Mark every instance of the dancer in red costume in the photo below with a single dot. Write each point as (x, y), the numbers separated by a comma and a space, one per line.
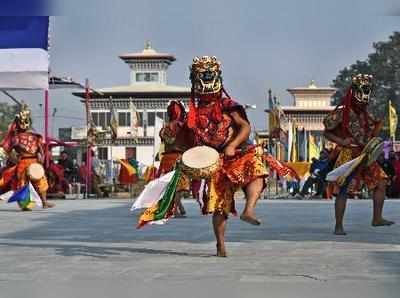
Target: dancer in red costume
(220, 122)
(28, 149)
(217, 121)
(351, 127)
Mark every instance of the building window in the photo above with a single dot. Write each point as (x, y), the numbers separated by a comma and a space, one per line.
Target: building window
(101, 119)
(108, 118)
(124, 119)
(130, 152)
(95, 117)
(147, 77)
(140, 119)
(151, 118)
(102, 153)
(160, 115)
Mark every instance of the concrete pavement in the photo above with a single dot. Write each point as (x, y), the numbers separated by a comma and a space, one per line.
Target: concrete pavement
(90, 248)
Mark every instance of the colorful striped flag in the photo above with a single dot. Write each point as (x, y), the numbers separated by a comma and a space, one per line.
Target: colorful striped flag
(27, 197)
(130, 169)
(113, 121)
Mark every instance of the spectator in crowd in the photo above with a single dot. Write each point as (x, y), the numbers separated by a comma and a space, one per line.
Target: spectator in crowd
(82, 172)
(58, 185)
(318, 171)
(67, 165)
(97, 178)
(75, 172)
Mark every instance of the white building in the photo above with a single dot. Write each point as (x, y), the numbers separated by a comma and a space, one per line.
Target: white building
(149, 92)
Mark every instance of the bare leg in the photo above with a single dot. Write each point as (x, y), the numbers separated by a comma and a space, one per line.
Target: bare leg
(378, 202)
(219, 223)
(340, 208)
(253, 192)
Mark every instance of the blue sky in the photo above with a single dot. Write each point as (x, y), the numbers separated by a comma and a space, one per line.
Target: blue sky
(261, 44)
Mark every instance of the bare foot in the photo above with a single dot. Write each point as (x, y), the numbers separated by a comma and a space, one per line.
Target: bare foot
(250, 219)
(48, 205)
(339, 230)
(221, 252)
(382, 222)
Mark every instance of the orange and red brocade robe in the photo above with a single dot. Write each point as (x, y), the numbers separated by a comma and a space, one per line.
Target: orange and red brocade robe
(28, 146)
(370, 176)
(236, 172)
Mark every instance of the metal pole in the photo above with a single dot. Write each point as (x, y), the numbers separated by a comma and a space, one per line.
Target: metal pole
(89, 146)
(154, 137)
(46, 127)
(112, 143)
(13, 98)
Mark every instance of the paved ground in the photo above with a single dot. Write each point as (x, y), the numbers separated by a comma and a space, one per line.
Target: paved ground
(90, 248)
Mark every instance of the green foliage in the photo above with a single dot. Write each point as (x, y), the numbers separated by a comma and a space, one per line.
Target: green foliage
(384, 65)
(7, 115)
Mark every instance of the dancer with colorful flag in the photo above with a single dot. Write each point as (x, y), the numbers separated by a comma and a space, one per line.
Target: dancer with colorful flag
(354, 129)
(220, 126)
(27, 146)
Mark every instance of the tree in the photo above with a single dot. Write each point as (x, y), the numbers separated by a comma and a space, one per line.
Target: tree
(384, 65)
(7, 115)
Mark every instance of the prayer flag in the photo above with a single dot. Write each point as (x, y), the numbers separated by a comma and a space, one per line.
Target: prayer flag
(113, 122)
(392, 120)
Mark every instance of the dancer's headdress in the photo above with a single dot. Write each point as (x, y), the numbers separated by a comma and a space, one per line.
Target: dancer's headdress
(362, 88)
(205, 75)
(206, 78)
(23, 118)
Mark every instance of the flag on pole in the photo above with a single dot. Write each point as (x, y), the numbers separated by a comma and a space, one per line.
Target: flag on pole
(134, 120)
(113, 122)
(129, 168)
(293, 156)
(290, 139)
(27, 197)
(24, 58)
(392, 120)
(312, 148)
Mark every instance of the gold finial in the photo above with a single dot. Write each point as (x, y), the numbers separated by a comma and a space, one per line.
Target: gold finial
(312, 85)
(147, 45)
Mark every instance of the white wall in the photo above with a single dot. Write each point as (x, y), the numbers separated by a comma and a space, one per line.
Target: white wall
(118, 152)
(144, 154)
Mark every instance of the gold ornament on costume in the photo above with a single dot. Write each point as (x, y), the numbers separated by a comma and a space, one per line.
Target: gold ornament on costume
(23, 118)
(362, 87)
(205, 75)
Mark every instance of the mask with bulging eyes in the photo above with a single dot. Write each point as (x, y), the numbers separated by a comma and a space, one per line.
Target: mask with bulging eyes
(205, 75)
(362, 88)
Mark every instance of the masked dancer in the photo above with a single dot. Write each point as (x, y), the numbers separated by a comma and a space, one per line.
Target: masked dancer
(351, 127)
(27, 148)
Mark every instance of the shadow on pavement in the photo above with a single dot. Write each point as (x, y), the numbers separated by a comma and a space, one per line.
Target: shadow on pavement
(285, 222)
